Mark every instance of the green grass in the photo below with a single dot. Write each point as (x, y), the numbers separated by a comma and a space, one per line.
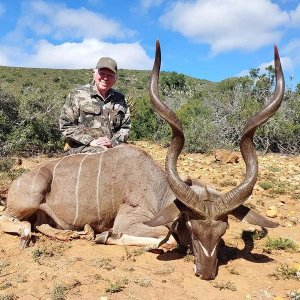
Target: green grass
(281, 244)
(284, 271)
(266, 185)
(275, 187)
(143, 282)
(103, 263)
(39, 253)
(117, 286)
(59, 292)
(225, 286)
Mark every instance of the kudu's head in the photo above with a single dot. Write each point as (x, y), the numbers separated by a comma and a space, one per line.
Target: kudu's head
(199, 215)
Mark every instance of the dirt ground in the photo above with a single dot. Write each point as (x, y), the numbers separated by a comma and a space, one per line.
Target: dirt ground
(80, 269)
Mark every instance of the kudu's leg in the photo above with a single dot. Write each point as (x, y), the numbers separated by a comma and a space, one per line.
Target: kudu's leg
(129, 230)
(123, 239)
(12, 225)
(66, 234)
(23, 200)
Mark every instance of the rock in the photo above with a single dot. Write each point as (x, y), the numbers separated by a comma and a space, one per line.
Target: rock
(271, 212)
(225, 156)
(296, 266)
(293, 220)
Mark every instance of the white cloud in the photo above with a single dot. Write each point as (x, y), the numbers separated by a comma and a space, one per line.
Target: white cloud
(286, 64)
(84, 55)
(146, 4)
(227, 24)
(68, 38)
(292, 49)
(61, 22)
(3, 60)
(295, 17)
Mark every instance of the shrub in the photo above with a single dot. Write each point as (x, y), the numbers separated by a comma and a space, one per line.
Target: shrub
(281, 244)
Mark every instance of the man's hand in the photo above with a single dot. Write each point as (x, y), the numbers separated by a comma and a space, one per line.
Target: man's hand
(103, 141)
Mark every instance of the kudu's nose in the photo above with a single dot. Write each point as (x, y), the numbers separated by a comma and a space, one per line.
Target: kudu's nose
(206, 274)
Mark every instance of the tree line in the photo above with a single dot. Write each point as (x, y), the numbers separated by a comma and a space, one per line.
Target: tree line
(212, 113)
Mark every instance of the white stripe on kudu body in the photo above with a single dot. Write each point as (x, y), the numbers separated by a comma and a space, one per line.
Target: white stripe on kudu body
(77, 189)
(55, 167)
(33, 183)
(18, 183)
(98, 182)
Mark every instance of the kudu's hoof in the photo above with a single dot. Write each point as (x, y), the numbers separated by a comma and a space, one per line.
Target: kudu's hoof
(101, 238)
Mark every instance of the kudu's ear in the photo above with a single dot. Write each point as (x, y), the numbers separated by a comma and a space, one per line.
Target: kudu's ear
(248, 215)
(168, 215)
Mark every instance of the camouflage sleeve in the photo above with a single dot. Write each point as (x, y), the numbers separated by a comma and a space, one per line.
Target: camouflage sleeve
(121, 135)
(68, 122)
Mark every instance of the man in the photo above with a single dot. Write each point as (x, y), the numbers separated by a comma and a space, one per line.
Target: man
(96, 116)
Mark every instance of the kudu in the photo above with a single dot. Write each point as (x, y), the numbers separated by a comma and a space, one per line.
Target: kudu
(200, 209)
(125, 196)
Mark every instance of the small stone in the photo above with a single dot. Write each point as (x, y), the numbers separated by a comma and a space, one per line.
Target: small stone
(293, 220)
(271, 213)
(296, 266)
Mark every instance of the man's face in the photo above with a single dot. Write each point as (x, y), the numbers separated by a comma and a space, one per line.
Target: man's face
(104, 79)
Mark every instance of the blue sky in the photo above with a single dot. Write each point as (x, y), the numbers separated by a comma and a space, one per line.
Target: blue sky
(207, 39)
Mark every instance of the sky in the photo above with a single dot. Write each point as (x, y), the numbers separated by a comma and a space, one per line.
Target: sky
(205, 39)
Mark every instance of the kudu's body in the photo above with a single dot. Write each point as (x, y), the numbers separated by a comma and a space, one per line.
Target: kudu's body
(124, 192)
(113, 191)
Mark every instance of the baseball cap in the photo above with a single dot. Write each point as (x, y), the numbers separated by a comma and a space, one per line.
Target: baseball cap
(107, 62)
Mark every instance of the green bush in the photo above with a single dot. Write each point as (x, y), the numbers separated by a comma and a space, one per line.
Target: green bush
(145, 123)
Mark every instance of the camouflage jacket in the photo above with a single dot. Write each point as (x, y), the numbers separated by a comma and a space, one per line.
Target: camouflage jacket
(86, 116)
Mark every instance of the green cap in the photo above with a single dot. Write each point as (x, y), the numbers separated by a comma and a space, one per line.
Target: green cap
(107, 62)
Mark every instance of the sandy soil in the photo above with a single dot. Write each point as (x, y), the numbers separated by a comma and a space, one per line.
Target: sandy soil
(79, 269)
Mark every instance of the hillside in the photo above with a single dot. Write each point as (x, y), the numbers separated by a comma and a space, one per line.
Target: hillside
(19, 82)
(212, 114)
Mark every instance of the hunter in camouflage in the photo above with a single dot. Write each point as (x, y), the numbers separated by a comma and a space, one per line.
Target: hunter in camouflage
(96, 116)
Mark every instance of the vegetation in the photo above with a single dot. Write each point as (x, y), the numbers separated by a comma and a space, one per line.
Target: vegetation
(281, 244)
(59, 292)
(117, 286)
(286, 272)
(212, 114)
(8, 297)
(225, 286)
